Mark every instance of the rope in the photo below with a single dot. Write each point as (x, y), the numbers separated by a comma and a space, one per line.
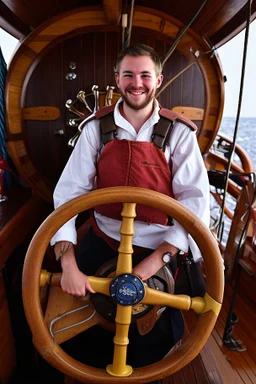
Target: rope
(182, 71)
(182, 33)
(128, 35)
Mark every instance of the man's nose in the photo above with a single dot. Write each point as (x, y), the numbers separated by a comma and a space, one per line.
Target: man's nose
(137, 81)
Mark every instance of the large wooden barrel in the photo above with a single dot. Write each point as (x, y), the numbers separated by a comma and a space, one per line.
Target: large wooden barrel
(73, 52)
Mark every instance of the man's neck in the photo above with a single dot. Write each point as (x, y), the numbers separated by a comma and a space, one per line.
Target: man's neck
(136, 117)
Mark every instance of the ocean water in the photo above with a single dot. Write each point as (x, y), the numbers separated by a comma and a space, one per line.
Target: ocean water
(245, 138)
(246, 134)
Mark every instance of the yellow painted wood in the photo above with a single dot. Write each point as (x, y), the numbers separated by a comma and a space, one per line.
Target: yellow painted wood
(123, 319)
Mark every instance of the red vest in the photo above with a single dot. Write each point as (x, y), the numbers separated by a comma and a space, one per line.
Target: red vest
(135, 163)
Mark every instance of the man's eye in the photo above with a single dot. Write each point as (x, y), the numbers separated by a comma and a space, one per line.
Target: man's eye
(146, 76)
(127, 76)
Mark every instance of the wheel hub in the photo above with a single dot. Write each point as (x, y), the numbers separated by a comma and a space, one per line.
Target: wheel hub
(127, 289)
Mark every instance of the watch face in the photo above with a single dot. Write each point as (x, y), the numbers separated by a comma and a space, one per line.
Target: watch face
(167, 257)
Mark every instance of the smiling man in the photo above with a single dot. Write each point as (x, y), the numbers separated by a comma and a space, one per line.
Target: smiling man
(137, 86)
(136, 143)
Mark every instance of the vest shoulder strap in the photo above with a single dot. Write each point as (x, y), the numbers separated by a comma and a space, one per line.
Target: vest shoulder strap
(168, 114)
(161, 130)
(107, 124)
(103, 111)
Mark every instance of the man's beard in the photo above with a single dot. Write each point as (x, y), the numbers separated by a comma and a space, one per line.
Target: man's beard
(149, 98)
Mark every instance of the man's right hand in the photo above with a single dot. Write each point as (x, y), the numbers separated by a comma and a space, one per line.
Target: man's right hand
(73, 281)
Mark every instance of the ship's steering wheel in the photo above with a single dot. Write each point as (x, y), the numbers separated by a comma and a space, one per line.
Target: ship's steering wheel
(118, 372)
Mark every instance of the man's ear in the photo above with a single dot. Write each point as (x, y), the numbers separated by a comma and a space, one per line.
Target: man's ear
(117, 79)
(159, 81)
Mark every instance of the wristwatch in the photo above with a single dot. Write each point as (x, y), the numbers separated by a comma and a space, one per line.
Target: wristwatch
(167, 257)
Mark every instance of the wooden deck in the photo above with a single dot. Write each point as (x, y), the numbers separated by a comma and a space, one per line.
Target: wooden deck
(244, 363)
(216, 363)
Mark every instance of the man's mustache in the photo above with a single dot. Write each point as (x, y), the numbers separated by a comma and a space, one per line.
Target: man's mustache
(136, 89)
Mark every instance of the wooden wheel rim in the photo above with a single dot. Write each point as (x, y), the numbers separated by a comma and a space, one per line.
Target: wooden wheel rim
(52, 352)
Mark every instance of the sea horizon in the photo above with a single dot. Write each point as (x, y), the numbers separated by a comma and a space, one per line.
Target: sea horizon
(245, 133)
(245, 139)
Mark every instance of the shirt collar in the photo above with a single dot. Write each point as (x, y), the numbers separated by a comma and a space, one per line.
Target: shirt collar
(153, 119)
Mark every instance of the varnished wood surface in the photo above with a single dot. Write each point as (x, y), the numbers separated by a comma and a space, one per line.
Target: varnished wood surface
(216, 21)
(20, 215)
(243, 363)
(16, 197)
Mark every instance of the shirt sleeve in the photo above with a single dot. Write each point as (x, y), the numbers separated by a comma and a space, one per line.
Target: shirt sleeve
(78, 177)
(190, 182)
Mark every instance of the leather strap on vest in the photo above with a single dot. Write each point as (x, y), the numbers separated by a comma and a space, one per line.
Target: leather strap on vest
(161, 132)
(108, 128)
(159, 137)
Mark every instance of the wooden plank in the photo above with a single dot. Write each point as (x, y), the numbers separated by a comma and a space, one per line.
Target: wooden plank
(201, 374)
(191, 113)
(112, 9)
(46, 113)
(247, 285)
(244, 363)
(20, 223)
(236, 359)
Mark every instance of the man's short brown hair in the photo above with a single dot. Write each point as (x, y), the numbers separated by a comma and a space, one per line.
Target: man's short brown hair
(139, 50)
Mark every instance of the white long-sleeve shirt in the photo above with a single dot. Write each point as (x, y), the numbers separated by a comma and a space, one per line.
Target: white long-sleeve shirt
(190, 181)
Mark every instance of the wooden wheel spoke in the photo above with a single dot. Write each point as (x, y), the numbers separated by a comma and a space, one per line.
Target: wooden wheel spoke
(121, 341)
(155, 297)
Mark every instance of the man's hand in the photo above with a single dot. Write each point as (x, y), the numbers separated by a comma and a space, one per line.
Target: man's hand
(73, 281)
(151, 264)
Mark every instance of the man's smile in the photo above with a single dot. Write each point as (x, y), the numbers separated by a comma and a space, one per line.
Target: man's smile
(136, 92)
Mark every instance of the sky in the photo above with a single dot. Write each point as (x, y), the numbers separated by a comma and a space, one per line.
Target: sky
(231, 55)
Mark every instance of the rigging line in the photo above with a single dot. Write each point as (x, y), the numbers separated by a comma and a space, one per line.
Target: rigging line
(128, 35)
(182, 33)
(182, 71)
(124, 22)
(231, 154)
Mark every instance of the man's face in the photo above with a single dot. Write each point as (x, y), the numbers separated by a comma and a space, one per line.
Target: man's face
(137, 81)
